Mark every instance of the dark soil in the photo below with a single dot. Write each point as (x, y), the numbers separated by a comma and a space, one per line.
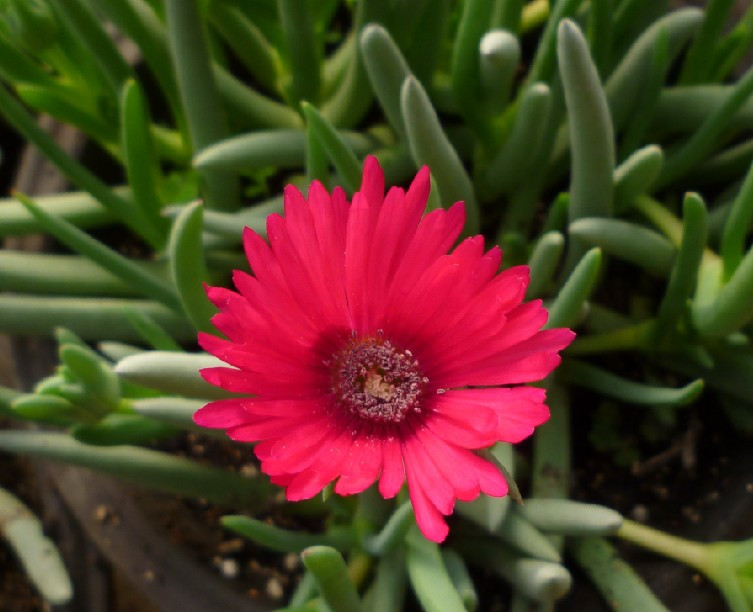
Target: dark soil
(698, 484)
(194, 525)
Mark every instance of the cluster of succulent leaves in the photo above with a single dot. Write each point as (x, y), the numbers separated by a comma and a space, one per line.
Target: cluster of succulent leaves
(605, 143)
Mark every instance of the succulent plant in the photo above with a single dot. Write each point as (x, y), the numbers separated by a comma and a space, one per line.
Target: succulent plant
(605, 145)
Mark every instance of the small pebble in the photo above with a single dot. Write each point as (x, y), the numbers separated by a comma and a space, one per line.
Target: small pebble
(640, 513)
(274, 589)
(291, 561)
(249, 470)
(105, 515)
(229, 568)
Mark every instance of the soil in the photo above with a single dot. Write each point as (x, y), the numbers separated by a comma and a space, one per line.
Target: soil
(194, 525)
(698, 484)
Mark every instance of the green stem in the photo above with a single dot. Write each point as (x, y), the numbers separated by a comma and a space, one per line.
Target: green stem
(630, 338)
(303, 51)
(661, 218)
(206, 119)
(679, 549)
(247, 41)
(77, 208)
(90, 318)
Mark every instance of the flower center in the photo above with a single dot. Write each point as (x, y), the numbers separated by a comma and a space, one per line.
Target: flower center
(374, 380)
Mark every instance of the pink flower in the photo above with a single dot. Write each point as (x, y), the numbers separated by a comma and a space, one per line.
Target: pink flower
(368, 352)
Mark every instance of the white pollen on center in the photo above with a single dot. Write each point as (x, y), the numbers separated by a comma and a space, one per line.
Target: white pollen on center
(377, 387)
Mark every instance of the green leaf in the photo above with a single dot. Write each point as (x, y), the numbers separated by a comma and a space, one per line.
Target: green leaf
(614, 578)
(175, 411)
(551, 447)
(140, 466)
(684, 276)
(138, 20)
(509, 167)
(591, 132)
(337, 148)
(736, 226)
(249, 108)
(40, 558)
(387, 591)
(393, 532)
(542, 68)
(47, 273)
(92, 372)
(141, 163)
(47, 408)
(732, 49)
(90, 318)
(77, 208)
(566, 307)
(636, 175)
(352, 97)
(247, 41)
(544, 261)
(188, 268)
(542, 581)
(116, 429)
(171, 372)
(150, 330)
(628, 241)
(303, 53)
(226, 224)
(100, 46)
(68, 107)
(566, 517)
(317, 161)
(429, 577)
(284, 540)
(109, 259)
(600, 18)
(499, 57)
(465, 76)
(656, 75)
(595, 378)
(698, 63)
(422, 53)
(429, 145)
(198, 94)
(731, 308)
(518, 532)
(73, 170)
(460, 578)
(17, 67)
(708, 134)
(508, 14)
(265, 148)
(387, 70)
(331, 574)
(635, 66)
(115, 351)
